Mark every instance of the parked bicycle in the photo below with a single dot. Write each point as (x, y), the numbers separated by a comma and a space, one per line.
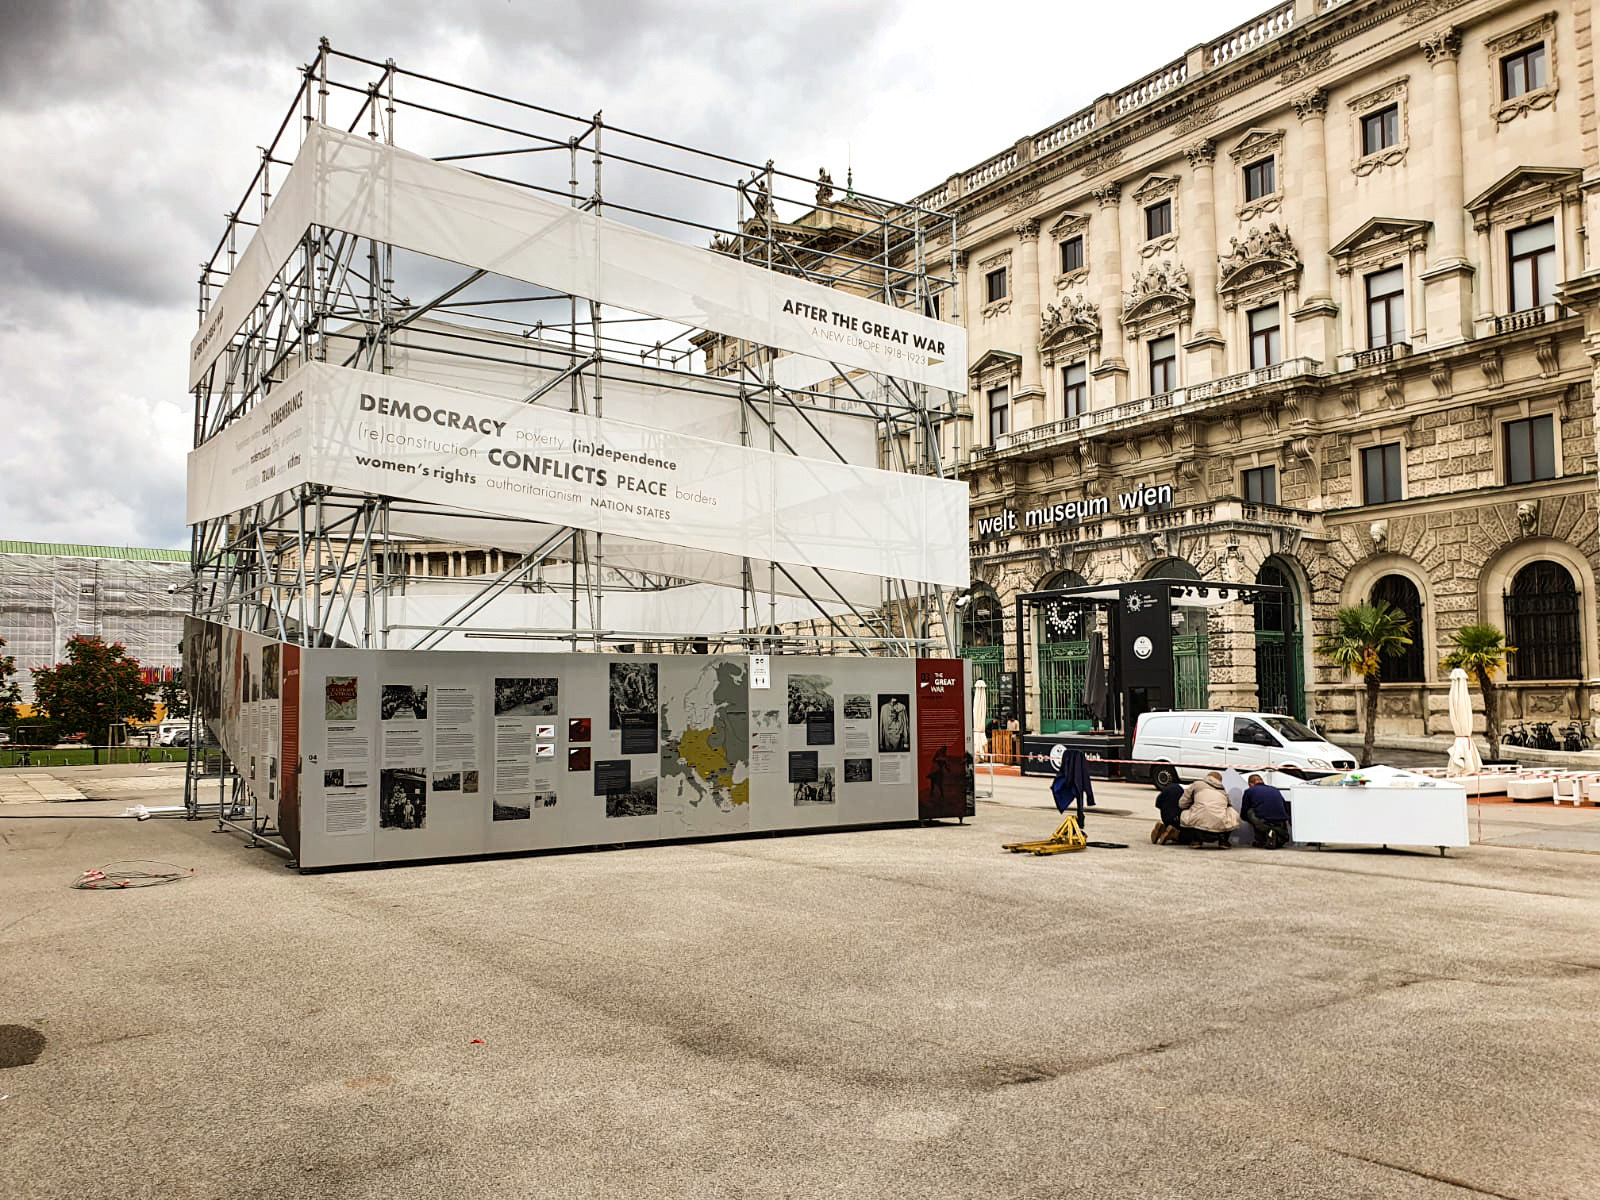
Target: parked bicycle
(1544, 737)
(1575, 737)
(1515, 735)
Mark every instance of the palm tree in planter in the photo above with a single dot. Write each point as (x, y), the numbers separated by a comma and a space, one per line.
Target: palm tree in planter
(1480, 650)
(1363, 635)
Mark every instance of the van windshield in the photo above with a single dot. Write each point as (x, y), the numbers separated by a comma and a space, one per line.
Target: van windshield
(1290, 730)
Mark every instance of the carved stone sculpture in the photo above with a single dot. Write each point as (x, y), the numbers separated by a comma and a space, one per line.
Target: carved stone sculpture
(1379, 533)
(1528, 517)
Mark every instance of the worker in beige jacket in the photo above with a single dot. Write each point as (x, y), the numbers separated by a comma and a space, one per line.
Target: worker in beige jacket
(1204, 806)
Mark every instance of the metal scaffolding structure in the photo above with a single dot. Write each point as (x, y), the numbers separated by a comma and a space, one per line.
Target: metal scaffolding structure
(317, 565)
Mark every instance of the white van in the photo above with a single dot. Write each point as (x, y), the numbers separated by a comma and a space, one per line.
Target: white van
(1185, 745)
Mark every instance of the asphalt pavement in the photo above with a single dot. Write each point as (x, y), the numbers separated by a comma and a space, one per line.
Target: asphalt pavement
(891, 1012)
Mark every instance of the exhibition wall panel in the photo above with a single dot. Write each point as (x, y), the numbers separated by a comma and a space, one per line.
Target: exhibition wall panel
(406, 755)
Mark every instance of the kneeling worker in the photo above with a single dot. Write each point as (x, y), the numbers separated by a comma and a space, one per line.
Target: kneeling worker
(1267, 812)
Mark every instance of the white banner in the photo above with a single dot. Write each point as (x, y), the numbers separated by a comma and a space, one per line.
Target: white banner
(349, 182)
(390, 436)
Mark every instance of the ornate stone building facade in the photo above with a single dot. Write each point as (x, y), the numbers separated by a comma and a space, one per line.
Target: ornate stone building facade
(1305, 307)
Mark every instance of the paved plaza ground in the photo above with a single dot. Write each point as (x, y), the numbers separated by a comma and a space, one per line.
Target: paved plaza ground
(884, 1013)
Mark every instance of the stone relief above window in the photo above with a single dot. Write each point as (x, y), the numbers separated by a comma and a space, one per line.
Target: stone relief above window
(1262, 266)
(1258, 158)
(1071, 236)
(1161, 299)
(1157, 198)
(1523, 66)
(1379, 127)
(1069, 329)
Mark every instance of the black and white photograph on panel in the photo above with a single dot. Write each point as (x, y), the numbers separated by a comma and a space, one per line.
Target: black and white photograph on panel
(402, 798)
(894, 723)
(638, 801)
(404, 702)
(818, 791)
(544, 799)
(858, 770)
(810, 698)
(633, 697)
(446, 781)
(333, 777)
(534, 697)
(469, 782)
(857, 707)
(207, 656)
(512, 808)
(271, 657)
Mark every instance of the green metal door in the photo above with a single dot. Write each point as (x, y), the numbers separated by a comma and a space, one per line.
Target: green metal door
(987, 663)
(1191, 671)
(1063, 669)
(1280, 686)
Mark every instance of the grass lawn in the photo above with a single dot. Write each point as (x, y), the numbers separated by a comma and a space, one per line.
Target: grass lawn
(87, 756)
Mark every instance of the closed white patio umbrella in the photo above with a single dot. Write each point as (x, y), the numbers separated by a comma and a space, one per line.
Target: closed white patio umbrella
(1464, 757)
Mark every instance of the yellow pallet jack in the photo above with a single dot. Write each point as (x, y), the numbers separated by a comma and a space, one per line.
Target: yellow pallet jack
(1066, 837)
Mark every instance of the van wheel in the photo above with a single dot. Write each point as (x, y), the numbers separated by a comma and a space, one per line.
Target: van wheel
(1163, 776)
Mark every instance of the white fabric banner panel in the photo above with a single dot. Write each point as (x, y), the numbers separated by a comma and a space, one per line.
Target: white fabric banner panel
(263, 453)
(389, 436)
(694, 610)
(631, 554)
(701, 405)
(373, 190)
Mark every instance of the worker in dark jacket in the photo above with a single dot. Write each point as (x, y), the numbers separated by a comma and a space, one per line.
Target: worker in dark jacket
(1167, 829)
(1268, 813)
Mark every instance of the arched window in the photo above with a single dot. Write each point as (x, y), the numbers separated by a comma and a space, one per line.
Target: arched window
(1542, 622)
(1172, 568)
(983, 623)
(1401, 593)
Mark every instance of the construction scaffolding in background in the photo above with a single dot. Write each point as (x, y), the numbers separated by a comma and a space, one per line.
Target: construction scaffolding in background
(49, 593)
(318, 564)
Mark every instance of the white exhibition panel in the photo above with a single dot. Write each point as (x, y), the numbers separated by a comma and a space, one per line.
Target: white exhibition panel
(351, 183)
(538, 769)
(386, 435)
(1379, 816)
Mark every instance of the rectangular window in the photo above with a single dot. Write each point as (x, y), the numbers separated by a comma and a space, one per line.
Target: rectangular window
(1522, 72)
(1532, 253)
(1072, 255)
(1075, 388)
(1380, 473)
(999, 413)
(1261, 486)
(1380, 130)
(1158, 220)
(995, 285)
(1163, 364)
(1386, 307)
(1260, 179)
(1531, 449)
(1266, 346)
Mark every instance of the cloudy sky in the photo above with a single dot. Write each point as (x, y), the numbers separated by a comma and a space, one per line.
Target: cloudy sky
(128, 127)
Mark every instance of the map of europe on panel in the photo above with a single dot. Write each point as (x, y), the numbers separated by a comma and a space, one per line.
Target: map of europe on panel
(705, 745)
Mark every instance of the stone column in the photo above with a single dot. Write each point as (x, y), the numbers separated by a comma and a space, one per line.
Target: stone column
(1448, 281)
(1111, 376)
(1027, 406)
(1204, 352)
(1316, 332)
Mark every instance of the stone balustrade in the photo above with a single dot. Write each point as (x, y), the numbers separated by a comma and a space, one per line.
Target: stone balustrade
(1063, 132)
(1253, 34)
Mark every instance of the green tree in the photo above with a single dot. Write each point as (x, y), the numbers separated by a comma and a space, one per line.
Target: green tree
(97, 686)
(175, 698)
(1363, 635)
(10, 690)
(1480, 651)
